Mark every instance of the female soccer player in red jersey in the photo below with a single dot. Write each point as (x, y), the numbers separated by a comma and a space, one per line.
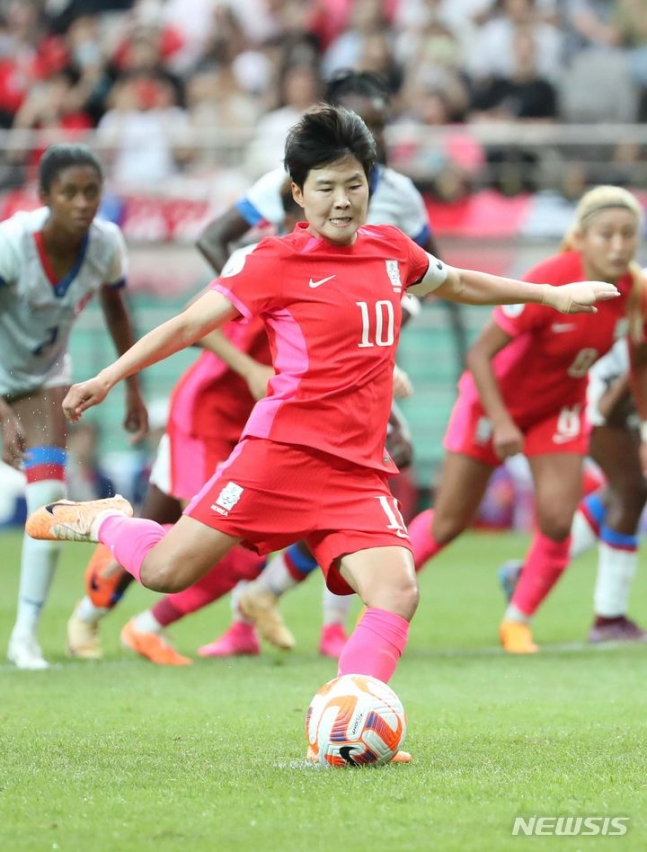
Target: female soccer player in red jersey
(311, 463)
(525, 391)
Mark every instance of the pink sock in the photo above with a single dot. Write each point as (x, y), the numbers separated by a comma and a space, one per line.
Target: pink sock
(129, 540)
(238, 564)
(544, 565)
(376, 645)
(424, 544)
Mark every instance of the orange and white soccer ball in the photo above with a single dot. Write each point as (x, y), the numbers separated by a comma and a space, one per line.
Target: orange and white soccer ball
(355, 720)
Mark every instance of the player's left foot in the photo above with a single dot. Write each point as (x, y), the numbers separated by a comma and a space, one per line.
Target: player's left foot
(151, 646)
(620, 629)
(238, 640)
(508, 575)
(83, 638)
(332, 640)
(66, 520)
(104, 578)
(516, 638)
(398, 757)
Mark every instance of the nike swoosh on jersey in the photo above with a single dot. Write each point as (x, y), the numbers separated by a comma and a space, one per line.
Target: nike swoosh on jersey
(559, 327)
(314, 284)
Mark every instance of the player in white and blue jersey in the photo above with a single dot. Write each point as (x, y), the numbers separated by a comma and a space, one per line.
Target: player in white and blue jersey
(52, 262)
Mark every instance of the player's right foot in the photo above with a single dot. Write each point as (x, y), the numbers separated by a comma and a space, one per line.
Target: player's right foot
(398, 757)
(508, 575)
(151, 646)
(620, 629)
(83, 638)
(261, 607)
(516, 638)
(104, 578)
(66, 520)
(25, 653)
(238, 640)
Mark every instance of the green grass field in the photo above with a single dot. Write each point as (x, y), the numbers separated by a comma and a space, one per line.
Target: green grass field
(121, 755)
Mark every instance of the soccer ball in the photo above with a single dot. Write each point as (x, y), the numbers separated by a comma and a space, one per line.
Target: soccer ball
(355, 720)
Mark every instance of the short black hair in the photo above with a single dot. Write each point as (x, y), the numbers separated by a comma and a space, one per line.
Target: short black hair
(324, 135)
(64, 156)
(363, 84)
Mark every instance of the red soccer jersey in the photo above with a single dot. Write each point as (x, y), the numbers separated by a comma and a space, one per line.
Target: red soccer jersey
(333, 316)
(544, 368)
(212, 401)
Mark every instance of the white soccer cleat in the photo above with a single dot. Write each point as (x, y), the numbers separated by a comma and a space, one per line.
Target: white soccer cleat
(26, 654)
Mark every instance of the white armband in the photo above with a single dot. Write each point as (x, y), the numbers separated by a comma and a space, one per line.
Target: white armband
(436, 274)
(643, 430)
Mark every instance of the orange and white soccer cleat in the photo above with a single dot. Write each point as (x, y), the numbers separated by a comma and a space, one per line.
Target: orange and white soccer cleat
(151, 646)
(103, 578)
(516, 638)
(261, 607)
(66, 520)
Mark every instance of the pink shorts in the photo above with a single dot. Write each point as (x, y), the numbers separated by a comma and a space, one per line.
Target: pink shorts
(469, 432)
(271, 495)
(184, 462)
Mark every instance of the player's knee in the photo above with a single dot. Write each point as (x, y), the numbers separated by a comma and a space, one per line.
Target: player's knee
(555, 524)
(405, 598)
(161, 576)
(445, 528)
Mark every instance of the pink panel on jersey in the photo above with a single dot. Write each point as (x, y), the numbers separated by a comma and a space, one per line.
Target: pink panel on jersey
(291, 360)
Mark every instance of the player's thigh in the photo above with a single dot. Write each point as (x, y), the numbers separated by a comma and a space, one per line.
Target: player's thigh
(41, 417)
(558, 489)
(462, 487)
(383, 577)
(184, 555)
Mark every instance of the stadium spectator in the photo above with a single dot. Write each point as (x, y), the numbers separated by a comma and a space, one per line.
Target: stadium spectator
(525, 391)
(52, 261)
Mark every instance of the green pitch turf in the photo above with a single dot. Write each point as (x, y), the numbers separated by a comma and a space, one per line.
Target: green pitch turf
(122, 755)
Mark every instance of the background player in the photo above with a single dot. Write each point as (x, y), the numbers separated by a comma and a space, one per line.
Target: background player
(526, 392)
(609, 516)
(52, 261)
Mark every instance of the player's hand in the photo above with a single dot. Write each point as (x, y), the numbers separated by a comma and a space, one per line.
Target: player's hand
(579, 298)
(136, 419)
(13, 440)
(82, 396)
(402, 386)
(399, 446)
(507, 440)
(257, 378)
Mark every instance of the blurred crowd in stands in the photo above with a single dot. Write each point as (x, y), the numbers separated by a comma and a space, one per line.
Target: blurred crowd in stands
(153, 76)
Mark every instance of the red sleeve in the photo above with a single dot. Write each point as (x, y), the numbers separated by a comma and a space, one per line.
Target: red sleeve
(253, 285)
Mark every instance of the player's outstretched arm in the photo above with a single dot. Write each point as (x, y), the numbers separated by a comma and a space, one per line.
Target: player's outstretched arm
(480, 288)
(207, 313)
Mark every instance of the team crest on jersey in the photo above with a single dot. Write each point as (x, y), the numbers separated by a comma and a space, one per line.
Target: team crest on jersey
(512, 310)
(393, 271)
(227, 499)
